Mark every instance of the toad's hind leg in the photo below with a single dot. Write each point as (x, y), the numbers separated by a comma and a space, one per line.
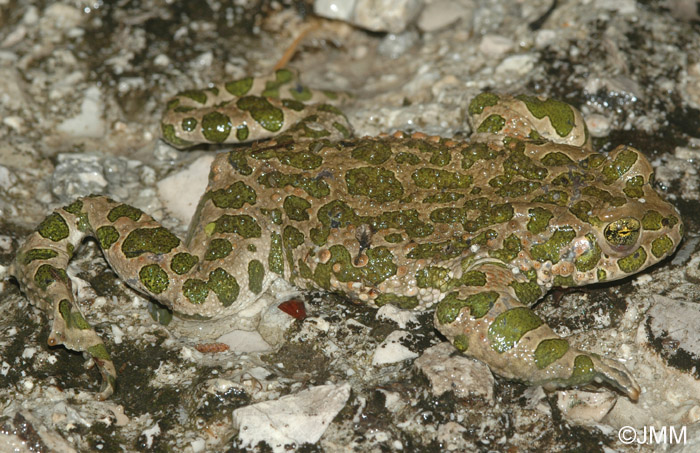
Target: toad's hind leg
(144, 254)
(492, 323)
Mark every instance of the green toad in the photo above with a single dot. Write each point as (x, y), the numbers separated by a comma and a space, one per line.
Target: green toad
(476, 231)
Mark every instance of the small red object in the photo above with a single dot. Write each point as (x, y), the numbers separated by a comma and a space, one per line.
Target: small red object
(294, 308)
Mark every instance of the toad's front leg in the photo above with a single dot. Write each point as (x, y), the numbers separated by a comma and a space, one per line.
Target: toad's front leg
(490, 322)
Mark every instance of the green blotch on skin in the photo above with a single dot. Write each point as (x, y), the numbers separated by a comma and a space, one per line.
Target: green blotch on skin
(72, 317)
(242, 225)
(256, 273)
(291, 239)
(407, 158)
(632, 263)
(564, 282)
(239, 162)
(183, 262)
(242, 132)
(268, 116)
(233, 196)
(282, 77)
(169, 134)
(275, 215)
(481, 101)
(293, 105)
(489, 214)
(603, 195)
(551, 250)
(433, 178)
(572, 178)
(433, 277)
(218, 248)
(252, 248)
(224, 285)
(195, 290)
(375, 183)
(443, 197)
(584, 370)
(476, 152)
(124, 210)
(196, 95)
(154, 278)
(379, 267)
(549, 351)
(508, 328)
(492, 124)
(451, 248)
(239, 87)
(47, 274)
(557, 197)
(539, 219)
(373, 152)
(189, 124)
(394, 238)
(296, 208)
(403, 302)
(303, 160)
(561, 114)
(276, 260)
(99, 351)
(527, 292)
(614, 170)
(301, 93)
(461, 343)
(315, 187)
(337, 214)
(661, 246)
(149, 240)
(582, 209)
(633, 187)
(652, 221)
(344, 131)
(37, 254)
(74, 208)
(601, 275)
(589, 260)
(481, 303)
(216, 127)
(53, 228)
(107, 235)
(510, 250)
(518, 189)
(556, 159)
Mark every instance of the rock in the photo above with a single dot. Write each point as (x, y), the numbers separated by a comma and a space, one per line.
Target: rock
(391, 16)
(182, 203)
(585, 408)
(458, 373)
(88, 122)
(391, 350)
(292, 419)
(443, 13)
(401, 317)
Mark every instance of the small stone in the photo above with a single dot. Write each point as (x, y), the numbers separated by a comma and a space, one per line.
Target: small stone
(458, 373)
(495, 45)
(391, 350)
(442, 14)
(598, 125)
(182, 203)
(585, 408)
(244, 341)
(290, 420)
(401, 317)
(391, 16)
(516, 65)
(88, 122)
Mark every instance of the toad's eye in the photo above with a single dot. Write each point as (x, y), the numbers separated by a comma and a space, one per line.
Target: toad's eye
(622, 233)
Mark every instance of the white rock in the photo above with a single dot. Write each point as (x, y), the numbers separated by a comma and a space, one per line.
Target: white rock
(441, 14)
(675, 321)
(516, 65)
(181, 191)
(335, 9)
(598, 125)
(399, 316)
(495, 45)
(292, 419)
(391, 350)
(585, 408)
(391, 16)
(458, 373)
(244, 341)
(88, 123)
